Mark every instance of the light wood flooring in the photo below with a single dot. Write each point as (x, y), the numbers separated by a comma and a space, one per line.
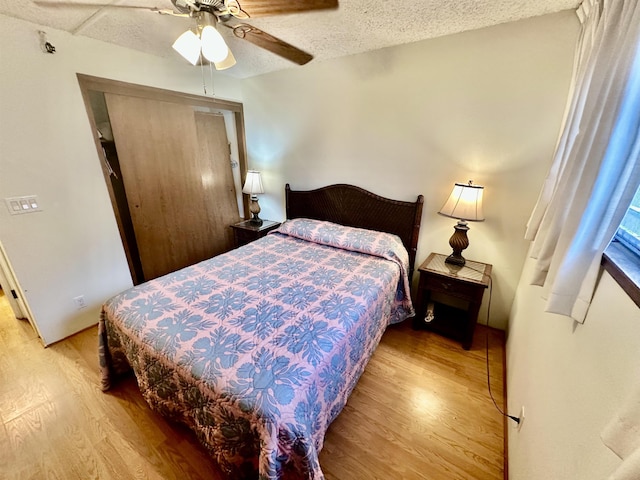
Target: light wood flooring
(420, 411)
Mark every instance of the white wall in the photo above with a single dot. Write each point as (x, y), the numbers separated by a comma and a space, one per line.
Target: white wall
(72, 247)
(483, 105)
(571, 378)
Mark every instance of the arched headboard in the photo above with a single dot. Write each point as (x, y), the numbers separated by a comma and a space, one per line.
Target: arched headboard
(356, 207)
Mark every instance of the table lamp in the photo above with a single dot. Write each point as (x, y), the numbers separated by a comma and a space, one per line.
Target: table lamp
(252, 186)
(464, 203)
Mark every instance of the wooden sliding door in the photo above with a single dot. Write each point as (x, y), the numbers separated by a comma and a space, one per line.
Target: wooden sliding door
(177, 175)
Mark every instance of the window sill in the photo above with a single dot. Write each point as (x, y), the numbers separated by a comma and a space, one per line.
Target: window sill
(623, 266)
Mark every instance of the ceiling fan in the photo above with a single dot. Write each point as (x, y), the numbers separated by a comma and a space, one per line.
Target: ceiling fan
(208, 14)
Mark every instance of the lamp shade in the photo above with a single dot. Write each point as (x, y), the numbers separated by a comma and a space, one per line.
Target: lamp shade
(464, 203)
(253, 183)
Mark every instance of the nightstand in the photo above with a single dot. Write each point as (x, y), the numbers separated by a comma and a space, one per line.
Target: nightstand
(245, 232)
(456, 294)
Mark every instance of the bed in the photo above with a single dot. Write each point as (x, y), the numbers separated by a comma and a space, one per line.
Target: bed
(258, 349)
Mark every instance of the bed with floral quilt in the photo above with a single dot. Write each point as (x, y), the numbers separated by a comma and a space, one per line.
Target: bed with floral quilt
(258, 349)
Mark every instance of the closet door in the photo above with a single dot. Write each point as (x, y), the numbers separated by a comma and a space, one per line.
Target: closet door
(214, 164)
(177, 176)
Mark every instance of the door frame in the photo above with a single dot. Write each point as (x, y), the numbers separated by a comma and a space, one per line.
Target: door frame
(90, 83)
(13, 291)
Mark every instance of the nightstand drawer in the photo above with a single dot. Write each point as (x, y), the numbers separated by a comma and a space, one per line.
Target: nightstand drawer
(245, 232)
(452, 287)
(245, 236)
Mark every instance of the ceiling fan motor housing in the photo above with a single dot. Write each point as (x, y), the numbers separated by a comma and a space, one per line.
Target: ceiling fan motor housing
(191, 6)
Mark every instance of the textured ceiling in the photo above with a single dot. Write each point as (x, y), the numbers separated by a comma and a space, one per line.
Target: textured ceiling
(356, 26)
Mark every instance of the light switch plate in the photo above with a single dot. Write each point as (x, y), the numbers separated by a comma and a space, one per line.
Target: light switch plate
(20, 205)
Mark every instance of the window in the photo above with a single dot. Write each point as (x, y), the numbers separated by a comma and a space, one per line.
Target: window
(622, 257)
(629, 232)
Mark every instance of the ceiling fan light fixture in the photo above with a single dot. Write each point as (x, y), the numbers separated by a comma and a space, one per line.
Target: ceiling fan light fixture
(228, 62)
(188, 45)
(214, 47)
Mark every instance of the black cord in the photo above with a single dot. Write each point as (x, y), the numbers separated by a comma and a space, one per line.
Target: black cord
(512, 417)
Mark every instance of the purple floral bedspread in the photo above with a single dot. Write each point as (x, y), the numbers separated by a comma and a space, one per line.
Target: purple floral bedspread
(257, 350)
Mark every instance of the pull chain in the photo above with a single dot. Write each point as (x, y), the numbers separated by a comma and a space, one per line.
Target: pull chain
(213, 93)
(204, 84)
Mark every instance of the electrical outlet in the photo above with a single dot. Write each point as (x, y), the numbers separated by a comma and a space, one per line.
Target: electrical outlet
(79, 301)
(521, 417)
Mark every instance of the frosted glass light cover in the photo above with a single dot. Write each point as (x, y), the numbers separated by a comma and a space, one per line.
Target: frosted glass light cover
(464, 203)
(188, 45)
(214, 47)
(228, 62)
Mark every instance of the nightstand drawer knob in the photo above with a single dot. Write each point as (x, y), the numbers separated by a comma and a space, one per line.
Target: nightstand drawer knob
(446, 286)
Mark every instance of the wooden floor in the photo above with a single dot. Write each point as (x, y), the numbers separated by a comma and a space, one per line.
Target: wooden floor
(420, 411)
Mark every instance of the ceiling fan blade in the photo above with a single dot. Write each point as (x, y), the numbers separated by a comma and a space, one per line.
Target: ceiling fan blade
(271, 43)
(262, 8)
(161, 11)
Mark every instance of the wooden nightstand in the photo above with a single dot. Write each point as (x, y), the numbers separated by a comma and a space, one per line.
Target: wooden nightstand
(463, 286)
(245, 232)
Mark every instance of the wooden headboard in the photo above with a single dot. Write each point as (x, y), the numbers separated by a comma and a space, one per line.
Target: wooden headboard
(355, 207)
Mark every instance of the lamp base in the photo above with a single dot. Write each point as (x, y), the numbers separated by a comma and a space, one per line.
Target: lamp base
(458, 243)
(255, 220)
(454, 259)
(254, 208)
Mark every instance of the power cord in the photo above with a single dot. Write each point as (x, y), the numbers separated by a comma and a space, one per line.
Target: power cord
(512, 417)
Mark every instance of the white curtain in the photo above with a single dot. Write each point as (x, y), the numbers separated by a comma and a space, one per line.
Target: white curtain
(596, 168)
